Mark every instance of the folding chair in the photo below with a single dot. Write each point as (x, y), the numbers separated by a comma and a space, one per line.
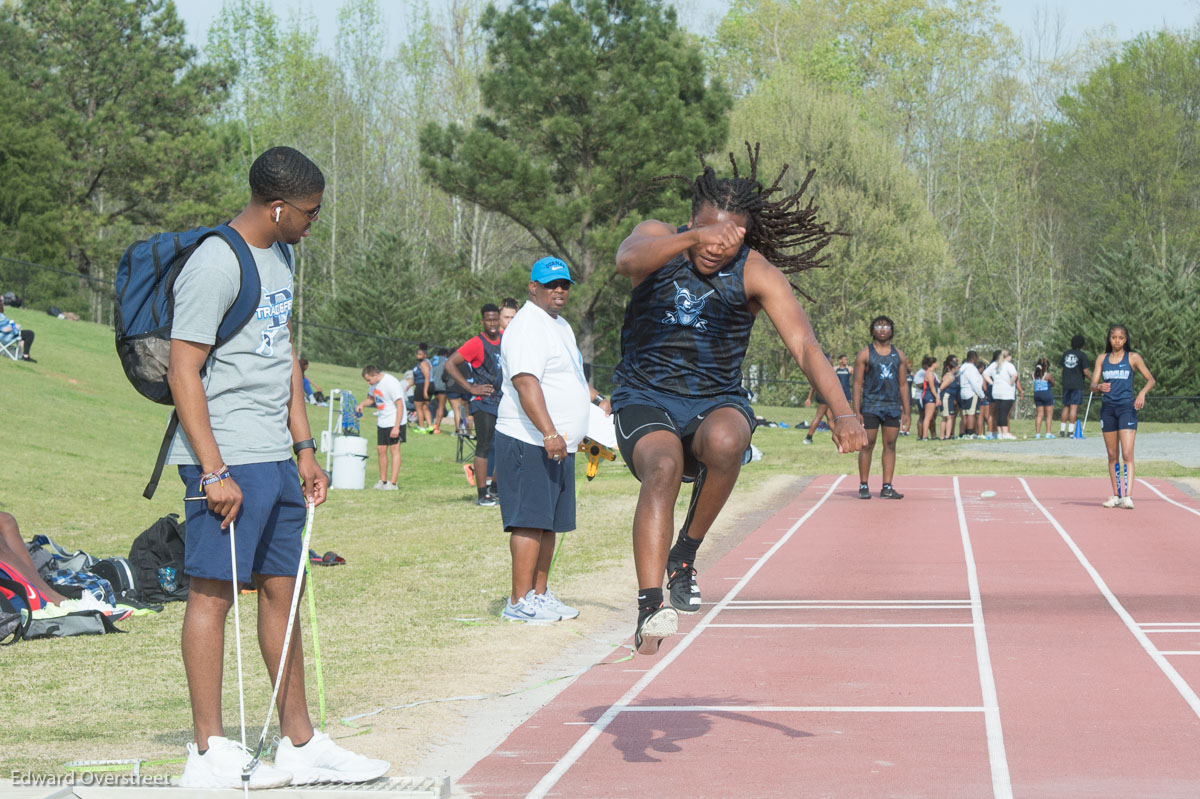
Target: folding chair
(10, 344)
(465, 446)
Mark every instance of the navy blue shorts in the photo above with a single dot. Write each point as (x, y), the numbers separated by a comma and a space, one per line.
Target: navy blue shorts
(949, 403)
(1121, 417)
(536, 492)
(646, 410)
(269, 527)
(1072, 396)
(928, 398)
(874, 421)
(1043, 399)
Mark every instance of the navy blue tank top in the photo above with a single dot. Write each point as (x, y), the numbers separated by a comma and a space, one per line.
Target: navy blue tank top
(418, 375)
(843, 373)
(488, 372)
(686, 333)
(881, 383)
(1120, 377)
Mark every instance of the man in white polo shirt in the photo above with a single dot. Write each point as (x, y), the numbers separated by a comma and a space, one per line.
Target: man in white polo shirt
(542, 417)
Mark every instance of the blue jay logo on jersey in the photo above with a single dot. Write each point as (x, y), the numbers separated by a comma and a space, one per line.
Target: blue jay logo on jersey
(885, 371)
(687, 308)
(275, 310)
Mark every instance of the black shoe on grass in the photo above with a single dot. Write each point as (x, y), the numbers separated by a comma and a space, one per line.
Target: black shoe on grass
(652, 627)
(681, 583)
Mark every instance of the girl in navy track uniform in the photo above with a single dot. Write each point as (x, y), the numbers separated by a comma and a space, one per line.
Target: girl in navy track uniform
(1113, 378)
(929, 398)
(948, 395)
(1043, 398)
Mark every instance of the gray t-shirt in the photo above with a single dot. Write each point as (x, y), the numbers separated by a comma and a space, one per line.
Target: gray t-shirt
(248, 379)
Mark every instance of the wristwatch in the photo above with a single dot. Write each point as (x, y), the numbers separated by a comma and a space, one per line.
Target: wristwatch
(598, 399)
(300, 446)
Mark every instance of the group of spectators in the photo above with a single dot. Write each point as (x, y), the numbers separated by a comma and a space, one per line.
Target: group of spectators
(978, 397)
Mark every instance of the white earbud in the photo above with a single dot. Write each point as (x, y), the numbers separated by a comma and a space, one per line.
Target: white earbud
(276, 213)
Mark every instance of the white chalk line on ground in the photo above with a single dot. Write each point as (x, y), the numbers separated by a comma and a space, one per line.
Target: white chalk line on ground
(547, 782)
(1158, 657)
(821, 626)
(1168, 499)
(1001, 781)
(802, 709)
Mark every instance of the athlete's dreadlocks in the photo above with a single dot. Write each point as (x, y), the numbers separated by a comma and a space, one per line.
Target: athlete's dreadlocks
(772, 226)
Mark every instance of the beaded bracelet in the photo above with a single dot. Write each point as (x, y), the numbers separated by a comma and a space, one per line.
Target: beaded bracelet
(845, 416)
(215, 476)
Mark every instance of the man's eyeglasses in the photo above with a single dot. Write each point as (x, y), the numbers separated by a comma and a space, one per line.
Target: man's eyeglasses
(558, 284)
(310, 214)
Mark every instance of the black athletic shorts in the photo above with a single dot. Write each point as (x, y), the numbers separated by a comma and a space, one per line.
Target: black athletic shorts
(634, 421)
(485, 428)
(873, 422)
(383, 436)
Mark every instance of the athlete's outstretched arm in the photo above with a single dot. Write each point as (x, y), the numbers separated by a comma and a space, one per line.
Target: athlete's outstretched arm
(652, 244)
(766, 286)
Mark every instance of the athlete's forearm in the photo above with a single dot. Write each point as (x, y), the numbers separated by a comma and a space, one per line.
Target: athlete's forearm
(647, 251)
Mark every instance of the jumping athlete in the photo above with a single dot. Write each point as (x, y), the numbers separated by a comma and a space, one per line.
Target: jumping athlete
(681, 411)
(1113, 378)
(879, 371)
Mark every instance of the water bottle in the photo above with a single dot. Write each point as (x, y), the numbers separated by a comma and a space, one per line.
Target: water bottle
(167, 579)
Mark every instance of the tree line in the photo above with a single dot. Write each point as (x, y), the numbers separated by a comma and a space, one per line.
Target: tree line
(998, 192)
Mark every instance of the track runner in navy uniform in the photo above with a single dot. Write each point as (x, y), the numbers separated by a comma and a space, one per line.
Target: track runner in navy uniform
(681, 411)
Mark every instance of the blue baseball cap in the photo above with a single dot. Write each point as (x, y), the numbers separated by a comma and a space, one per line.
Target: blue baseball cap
(549, 269)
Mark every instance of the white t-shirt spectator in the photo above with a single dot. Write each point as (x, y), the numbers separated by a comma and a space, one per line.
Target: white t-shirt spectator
(1004, 384)
(989, 372)
(385, 393)
(541, 345)
(970, 382)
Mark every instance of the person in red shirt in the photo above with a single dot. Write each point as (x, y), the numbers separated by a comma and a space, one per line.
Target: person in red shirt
(482, 353)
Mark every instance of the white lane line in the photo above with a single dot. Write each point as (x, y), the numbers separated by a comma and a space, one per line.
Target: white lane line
(799, 709)
(819, 626)
(1180, 684)
(1168, 499)
(1179, 652)
(1169, 624)
(1001, 782)
(1191, 630)
(547, 783)
(738, 602)
(848, 607)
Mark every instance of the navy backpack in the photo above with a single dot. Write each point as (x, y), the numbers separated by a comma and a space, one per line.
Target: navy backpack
(145, 307)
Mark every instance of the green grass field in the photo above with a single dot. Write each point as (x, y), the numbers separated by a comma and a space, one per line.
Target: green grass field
(78, 448)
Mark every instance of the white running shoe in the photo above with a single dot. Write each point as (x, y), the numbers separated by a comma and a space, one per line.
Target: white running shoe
(555, 605)
(529, 610)
(221, 767)
(390, 487)
(322, 760)
(1112, 501)
(380, 486)
(1127, 503)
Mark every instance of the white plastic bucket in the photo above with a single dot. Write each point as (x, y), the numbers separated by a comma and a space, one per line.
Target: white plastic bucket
(349, 462)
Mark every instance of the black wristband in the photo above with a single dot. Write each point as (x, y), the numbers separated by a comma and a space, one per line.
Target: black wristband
(596, 400)
(300, 446)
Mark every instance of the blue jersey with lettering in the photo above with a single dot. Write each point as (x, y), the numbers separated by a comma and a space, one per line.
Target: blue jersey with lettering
(686, 333)
(881, 383)
(1040, 385)
(843, 373)
(1119, 376)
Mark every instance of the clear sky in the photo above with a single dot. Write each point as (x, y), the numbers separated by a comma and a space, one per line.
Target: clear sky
(1128, 17)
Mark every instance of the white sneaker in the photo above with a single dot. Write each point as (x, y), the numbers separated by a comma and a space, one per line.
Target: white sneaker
(390, 487)
(1112, 501)
(1127, 503)
(322, 760)
(221, 767)
(556, 605)
(529, 610)
(1049, 435)
(380, 486)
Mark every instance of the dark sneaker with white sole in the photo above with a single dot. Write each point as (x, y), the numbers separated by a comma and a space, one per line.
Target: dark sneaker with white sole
(653, 626)
(863, 491)
(890, 493)
(681, 583)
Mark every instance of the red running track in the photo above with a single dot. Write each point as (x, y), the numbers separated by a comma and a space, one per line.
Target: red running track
(1027, 644)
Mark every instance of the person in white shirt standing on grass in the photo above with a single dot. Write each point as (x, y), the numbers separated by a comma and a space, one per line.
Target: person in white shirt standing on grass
(1005, 387)
(391, 422)
(543, 415)
(970, 392)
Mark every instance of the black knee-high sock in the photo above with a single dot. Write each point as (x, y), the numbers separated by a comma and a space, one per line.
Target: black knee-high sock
(649, 599)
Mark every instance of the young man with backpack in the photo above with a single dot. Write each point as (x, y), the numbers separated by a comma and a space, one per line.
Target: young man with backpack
(242, 416)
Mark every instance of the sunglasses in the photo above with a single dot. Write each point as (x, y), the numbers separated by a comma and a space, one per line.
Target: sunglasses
(310, 214)
(565, 285)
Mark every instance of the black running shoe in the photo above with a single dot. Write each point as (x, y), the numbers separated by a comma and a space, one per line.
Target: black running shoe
(652, 627)
(863, 491)
(681, 582)
(890, 493)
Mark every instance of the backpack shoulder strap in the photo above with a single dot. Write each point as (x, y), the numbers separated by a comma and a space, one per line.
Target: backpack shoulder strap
(246, 302)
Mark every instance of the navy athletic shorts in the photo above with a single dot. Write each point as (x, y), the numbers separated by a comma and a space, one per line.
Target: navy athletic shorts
(536, 493)
(1072, 396)
(872, 421)
(1121, 417)
(268, 530)
(1043, 399)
